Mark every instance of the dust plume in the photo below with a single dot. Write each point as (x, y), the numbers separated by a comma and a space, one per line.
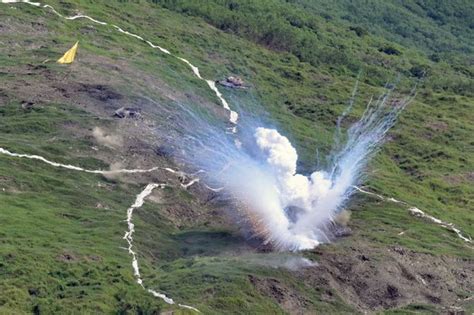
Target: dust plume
(109, 140)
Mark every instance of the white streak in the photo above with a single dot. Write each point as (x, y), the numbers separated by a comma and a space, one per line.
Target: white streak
(166, 51)
(36, 4)
(161, 296)
(128, 33)
(75, 168)
(137, 204)
(189, 307)
(122, 171)
(193, 181)
(374, 194)
(233, 116)
(419, 213)
(129, 238)
(81, 16)
(214, 189)
(194, 68)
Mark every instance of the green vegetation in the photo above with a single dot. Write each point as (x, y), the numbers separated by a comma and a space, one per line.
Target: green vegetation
(59, 252)
(62, 253)
(430, 36)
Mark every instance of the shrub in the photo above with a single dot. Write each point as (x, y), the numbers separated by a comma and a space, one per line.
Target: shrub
(390, 50)
(359, 30)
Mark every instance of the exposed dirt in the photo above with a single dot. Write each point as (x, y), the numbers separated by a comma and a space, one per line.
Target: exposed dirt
(456, 179)
(373, 279)
(370, 279)
(288, 298)
(376, 279)
(92, 88)
(68, 257)
(438, 126)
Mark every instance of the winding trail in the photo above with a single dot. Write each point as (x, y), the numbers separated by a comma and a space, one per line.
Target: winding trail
(418, 213)
(76, 168)
(181, 175)
(140, 199)
(137, 204)
(233, 116)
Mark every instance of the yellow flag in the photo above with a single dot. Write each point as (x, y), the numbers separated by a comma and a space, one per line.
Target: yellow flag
(69, 55)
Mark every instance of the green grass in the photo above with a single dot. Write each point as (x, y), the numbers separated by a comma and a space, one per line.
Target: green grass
(48, 213)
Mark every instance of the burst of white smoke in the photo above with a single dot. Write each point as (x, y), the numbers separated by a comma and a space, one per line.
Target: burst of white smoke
(292, 189)
(287, 210)
(318, 197)
(290, 210)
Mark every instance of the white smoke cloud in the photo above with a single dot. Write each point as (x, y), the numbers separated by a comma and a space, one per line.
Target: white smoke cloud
(320, 196)
(287, 210)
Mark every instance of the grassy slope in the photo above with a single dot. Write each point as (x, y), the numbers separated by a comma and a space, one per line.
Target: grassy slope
(412, 167)
(49, 213)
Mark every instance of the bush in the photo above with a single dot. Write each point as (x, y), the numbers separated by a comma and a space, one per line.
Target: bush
(359, 30)
(390, 50)
(418, 71)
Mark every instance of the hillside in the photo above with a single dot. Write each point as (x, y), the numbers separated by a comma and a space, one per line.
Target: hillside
(62, 232)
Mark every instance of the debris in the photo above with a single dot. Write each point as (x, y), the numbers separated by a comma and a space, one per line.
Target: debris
(27, 105)
(67, 257)
(363, 258)
(108, 140)
(342, 231)
(101, 206)
(343, 217)
(127, 112)
(399, 250)
(164, 151)
(233, 82)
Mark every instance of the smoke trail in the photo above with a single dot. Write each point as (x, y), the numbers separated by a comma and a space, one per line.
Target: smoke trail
(287, 210)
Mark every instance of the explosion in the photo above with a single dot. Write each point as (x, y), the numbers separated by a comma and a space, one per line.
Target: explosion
(287, 210)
